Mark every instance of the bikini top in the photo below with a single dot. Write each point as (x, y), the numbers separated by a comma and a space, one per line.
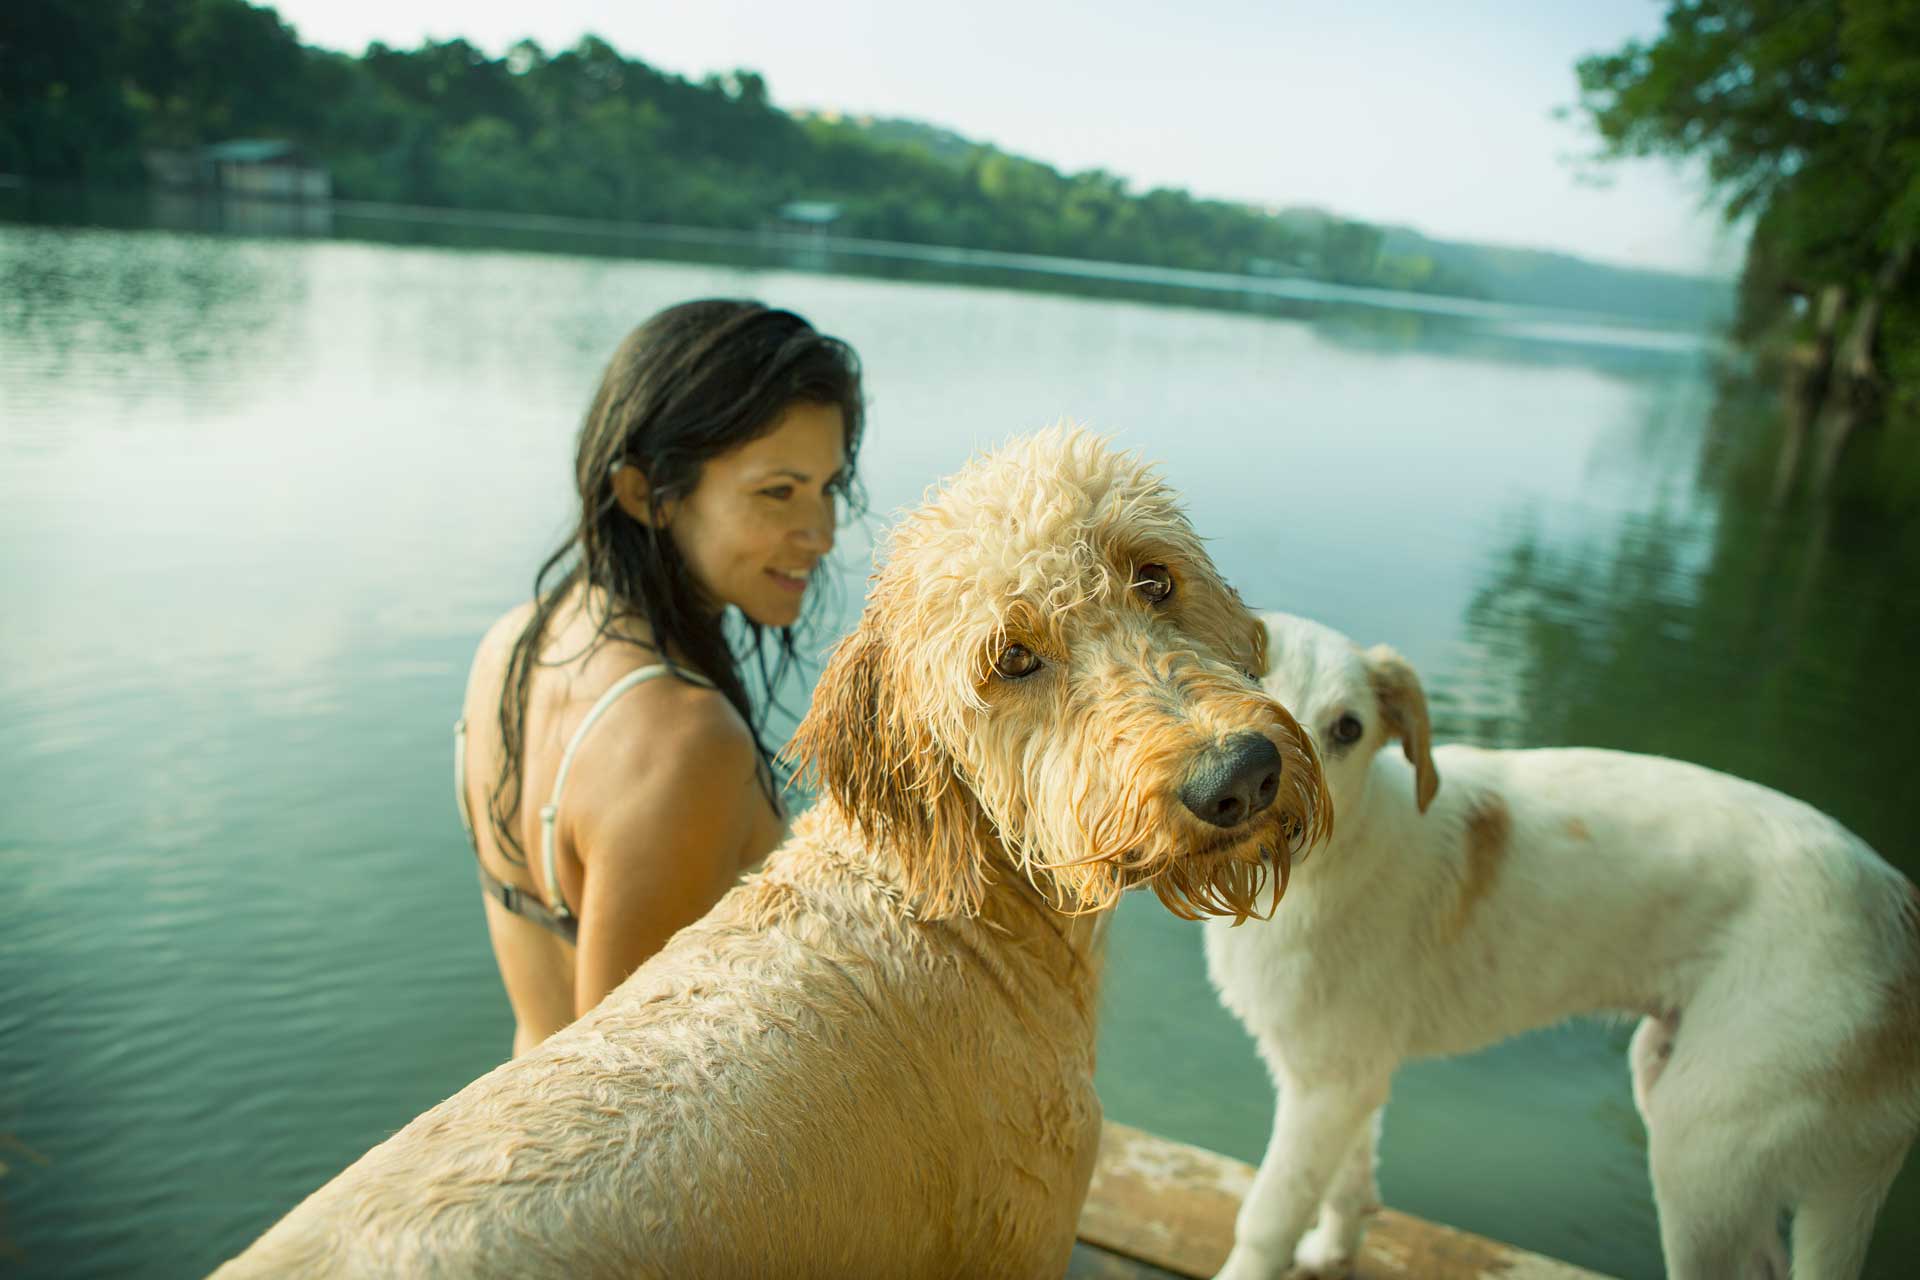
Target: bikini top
(554, 914)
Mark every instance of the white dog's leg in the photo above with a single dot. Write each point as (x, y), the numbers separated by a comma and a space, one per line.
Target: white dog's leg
(1831, 1228)
(1770, 1257)
(1315, 1126)
(1330, 1248)
(1714, 1216)
(1649, 1056)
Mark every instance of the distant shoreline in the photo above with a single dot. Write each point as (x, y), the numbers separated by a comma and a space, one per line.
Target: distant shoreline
(801, 250)
(1300, 288)
(816, 250)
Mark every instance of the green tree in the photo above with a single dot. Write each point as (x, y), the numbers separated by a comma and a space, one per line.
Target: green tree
(1808, 118)
(63, 112)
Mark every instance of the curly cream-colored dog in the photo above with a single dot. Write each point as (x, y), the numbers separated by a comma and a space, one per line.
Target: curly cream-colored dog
(1772, 953)
(875, 1056)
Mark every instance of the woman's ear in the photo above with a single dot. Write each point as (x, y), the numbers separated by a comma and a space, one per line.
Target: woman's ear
(634, 494)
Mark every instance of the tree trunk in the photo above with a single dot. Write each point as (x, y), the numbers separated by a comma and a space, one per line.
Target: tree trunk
(1854, 385)
(1809, 370)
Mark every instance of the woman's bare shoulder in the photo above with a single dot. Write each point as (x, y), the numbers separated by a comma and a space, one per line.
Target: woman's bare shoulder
(668, 749)
(506, 629)
(681, 724)
(490, 657)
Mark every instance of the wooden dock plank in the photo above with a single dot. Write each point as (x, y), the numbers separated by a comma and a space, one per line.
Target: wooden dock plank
(1172, 1206)
(1092, 1263)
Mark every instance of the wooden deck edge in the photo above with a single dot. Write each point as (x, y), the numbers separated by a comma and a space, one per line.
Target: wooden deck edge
(1173, 1206)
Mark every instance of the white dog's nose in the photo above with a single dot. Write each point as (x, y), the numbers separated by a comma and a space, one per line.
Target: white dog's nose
(1230, 783)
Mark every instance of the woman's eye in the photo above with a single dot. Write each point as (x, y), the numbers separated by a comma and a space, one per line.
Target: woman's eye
(779, 492)
(1016, 662)
(1346, 730)
(1154, 583)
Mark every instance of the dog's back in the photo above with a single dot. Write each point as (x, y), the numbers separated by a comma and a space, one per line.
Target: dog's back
(1605, 880)
(804, 1063)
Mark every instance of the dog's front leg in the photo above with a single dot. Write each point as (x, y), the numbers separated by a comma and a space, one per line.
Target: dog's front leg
(1330, 1248)
(1316, 1127)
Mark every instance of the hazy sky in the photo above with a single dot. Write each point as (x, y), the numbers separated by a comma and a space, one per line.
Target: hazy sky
(1430, 115)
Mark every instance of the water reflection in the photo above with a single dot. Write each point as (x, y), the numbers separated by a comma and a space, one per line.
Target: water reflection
(238, 215)
(1718, 626)
(177, 320)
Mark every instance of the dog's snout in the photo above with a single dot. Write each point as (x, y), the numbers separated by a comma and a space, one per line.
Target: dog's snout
(1230, 783)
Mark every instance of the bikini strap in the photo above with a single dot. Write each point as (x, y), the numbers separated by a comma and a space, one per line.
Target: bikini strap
(549, 814)
(527, 906)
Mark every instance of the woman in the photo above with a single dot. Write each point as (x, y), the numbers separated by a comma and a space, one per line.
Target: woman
(608, 739)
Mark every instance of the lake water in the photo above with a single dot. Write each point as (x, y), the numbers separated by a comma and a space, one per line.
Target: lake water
(259, 496)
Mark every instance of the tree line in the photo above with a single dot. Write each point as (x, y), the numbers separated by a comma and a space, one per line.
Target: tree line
(591, 132)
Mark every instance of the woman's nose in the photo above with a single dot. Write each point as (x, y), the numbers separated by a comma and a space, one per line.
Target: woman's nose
(817, 533)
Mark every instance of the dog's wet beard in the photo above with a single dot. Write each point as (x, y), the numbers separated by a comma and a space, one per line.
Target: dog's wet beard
(1232, 882)
(1225, 884)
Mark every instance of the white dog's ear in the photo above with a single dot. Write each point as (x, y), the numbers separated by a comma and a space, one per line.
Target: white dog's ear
(885, 769)
(1259, 638)
(1404, 704)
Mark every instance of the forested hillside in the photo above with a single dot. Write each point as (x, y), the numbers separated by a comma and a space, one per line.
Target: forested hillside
(590, 131)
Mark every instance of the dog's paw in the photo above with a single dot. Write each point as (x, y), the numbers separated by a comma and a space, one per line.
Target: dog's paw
(1250, 1264)
(1325, 1255)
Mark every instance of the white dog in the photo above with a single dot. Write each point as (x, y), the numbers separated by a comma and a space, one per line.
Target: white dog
(1772, 954)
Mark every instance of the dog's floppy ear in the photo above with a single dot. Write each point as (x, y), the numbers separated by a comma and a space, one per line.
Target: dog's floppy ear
(885, 769)
(1259, 638)
(1404, 704)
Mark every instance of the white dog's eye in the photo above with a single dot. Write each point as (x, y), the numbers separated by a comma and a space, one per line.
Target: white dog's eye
(1346, 730)
(1154, 583)
(1016, 662)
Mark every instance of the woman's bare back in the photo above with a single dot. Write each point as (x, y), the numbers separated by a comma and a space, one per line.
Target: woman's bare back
(542, 970)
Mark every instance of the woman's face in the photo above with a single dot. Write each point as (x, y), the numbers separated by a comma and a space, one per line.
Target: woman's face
(761, 516)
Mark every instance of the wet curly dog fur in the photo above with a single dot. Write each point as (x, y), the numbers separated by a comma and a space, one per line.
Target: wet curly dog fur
(875, 1055)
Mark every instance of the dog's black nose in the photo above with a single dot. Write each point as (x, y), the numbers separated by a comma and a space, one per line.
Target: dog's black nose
(1233, 781)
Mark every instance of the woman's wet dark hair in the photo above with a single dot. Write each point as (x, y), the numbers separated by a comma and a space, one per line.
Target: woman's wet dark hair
(693, 382)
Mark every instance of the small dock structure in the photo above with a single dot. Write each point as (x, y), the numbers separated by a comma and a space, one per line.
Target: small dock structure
(811, 218)
(255, 168)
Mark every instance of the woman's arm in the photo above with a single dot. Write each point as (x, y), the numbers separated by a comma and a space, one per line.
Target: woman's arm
(662, 838)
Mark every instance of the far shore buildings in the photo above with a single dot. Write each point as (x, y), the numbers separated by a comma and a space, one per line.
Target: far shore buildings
(813, 218)
(256, 168)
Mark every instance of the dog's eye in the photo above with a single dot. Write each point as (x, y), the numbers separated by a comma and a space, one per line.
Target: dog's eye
(1016, 662)
(1346, 730)
(1154, 583)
